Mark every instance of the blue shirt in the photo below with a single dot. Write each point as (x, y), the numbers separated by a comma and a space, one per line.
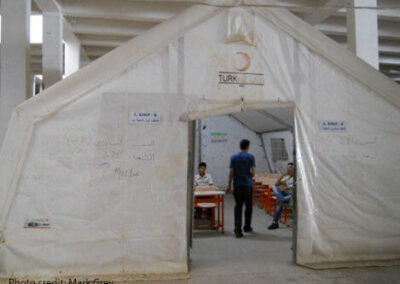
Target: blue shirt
(241, 163)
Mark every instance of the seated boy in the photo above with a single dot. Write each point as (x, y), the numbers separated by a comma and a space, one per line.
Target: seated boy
(202, 179)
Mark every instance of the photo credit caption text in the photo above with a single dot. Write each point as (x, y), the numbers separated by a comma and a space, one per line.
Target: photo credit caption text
(59, 281)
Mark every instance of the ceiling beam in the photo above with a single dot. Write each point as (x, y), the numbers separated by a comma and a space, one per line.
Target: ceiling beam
(321, 14)
(34, 8)
(36, 49)
(53, 6)
(97, 50)
(108, 27)
(36, 59)
(48, 6)
(389, 60)
(392, 15)
(101, 42)
(385, 46)
(390, 69)
(121, 10)
(385, 32)
(36, 68)
(68, 33)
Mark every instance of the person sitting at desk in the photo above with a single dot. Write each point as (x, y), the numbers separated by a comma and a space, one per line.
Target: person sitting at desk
(203, 179)
(283, 190)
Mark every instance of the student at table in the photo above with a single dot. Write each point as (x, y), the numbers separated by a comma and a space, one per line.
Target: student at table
(283, 190)
(242, 170)
(202, 179)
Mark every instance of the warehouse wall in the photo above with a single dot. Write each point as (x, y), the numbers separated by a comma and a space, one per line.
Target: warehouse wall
(279, 166)
(220, 137)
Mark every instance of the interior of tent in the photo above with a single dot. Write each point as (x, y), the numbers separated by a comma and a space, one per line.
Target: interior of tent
(217, 138)
(269, 132)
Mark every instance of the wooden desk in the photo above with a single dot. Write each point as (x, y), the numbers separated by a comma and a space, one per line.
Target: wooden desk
(216, 197)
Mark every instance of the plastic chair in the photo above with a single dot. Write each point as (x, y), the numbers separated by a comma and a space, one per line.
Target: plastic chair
(256, 191)
(286, 213)
(270, 201)
(261, 199)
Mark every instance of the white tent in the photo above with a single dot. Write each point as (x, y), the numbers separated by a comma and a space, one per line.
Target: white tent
(99, 161)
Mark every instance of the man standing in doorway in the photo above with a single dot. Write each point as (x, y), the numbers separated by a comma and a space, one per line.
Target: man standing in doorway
(242, 170)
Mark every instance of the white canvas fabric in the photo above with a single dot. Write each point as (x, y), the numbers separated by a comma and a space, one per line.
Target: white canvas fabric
(112, 184)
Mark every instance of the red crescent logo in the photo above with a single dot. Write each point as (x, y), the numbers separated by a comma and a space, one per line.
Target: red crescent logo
(244, 61)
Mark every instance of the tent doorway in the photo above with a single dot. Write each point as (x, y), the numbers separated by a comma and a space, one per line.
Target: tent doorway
(213, 139)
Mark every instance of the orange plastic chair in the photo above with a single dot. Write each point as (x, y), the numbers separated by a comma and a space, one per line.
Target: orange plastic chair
(270, 201)
(256, 191)
(287, 212)
(261, 199)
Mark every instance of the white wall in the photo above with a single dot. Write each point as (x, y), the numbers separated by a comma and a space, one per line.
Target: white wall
(217, 154)
(279, 166)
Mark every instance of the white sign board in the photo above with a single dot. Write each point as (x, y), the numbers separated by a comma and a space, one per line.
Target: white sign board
(332, 126)
(144, 117)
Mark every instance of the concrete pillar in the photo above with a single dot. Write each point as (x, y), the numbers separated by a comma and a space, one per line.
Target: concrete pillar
(362, 30)
(72, 57)
(32, 84)
(52, 48)
(15, 75)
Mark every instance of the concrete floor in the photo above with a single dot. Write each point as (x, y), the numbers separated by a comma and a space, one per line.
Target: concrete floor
(264, 257)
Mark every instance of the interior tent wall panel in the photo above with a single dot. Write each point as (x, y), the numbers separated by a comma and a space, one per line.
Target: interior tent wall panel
(220, 137)
(279, 166)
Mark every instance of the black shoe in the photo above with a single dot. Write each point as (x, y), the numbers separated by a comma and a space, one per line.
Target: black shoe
(238, 235)
(273, 226)
(248, 230)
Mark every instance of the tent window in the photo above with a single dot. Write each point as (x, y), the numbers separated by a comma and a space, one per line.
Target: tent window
(278, 147)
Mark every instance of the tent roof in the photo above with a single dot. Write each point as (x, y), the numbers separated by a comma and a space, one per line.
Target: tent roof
(143, 45)
(262, 121)
(333, 52)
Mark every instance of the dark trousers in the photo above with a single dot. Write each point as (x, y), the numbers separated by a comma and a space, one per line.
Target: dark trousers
(243, 195)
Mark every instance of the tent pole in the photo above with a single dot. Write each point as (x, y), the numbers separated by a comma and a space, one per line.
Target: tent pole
(294, 198)
(199, 141)
(293, 131)
(190, 182)
(265, 151)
